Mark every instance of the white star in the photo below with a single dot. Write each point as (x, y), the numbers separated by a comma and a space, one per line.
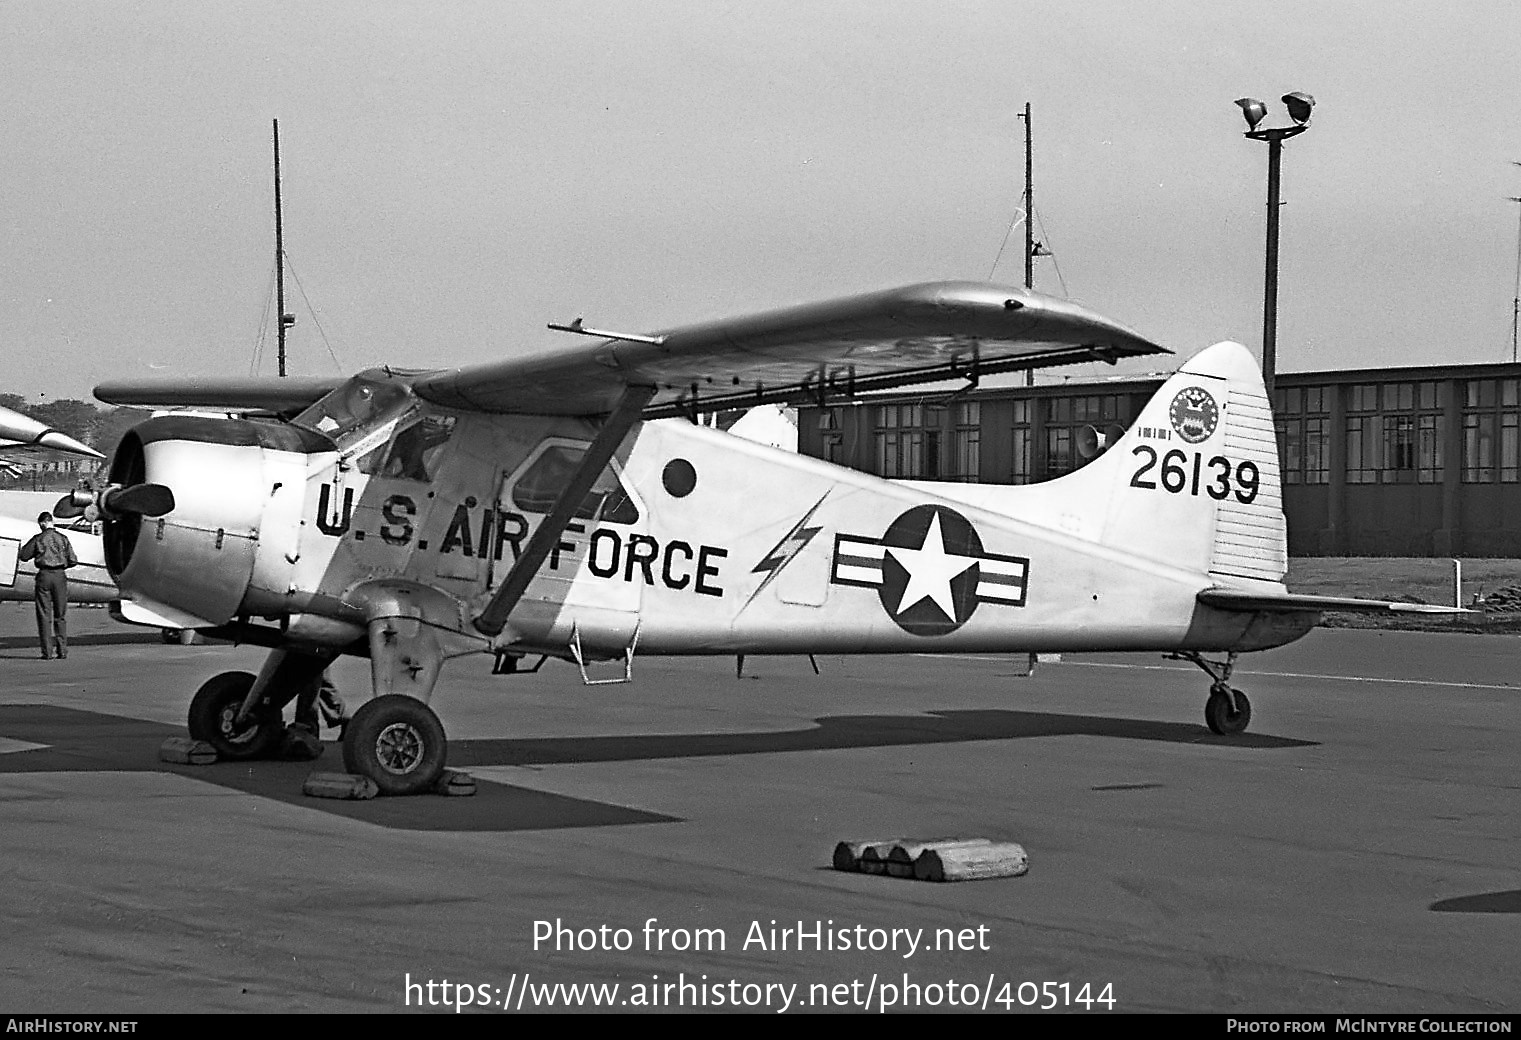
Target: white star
(930, 571)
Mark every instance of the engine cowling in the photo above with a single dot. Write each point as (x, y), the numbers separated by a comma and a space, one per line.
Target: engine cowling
(226, 477)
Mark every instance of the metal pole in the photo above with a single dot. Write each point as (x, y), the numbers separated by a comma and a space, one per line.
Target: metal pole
(1270, 278)
(279, 258)
(1029, 218)
(1029, 205)
(1515, 306)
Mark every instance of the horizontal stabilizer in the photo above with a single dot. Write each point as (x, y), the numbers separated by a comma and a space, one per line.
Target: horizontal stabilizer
(1244, 599)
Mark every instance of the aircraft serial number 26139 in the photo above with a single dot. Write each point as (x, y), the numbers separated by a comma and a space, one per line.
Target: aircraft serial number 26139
(556, 504)
(1176, 469)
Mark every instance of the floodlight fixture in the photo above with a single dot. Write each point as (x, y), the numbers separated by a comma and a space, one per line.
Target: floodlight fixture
(1254, 111)
(1299, 105)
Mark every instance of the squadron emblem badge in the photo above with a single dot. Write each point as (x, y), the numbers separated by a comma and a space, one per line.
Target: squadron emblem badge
(1194, 414)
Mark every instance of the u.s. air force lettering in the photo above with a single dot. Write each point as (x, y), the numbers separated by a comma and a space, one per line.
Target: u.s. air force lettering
(930, 570)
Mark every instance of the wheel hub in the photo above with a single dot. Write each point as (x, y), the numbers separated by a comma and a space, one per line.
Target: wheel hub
(399, 748)
(227, 723)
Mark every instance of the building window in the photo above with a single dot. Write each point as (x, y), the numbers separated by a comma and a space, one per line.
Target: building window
(966, 441)
(1317, 450)
(1065, 419)
(908, 440)
(1478, 448)
(1393, 433)
(1428, 457)
(1490, 431)
(1021, 466)
(1399, 448)
(1363, 445)
(900, 440)
(1304, 434)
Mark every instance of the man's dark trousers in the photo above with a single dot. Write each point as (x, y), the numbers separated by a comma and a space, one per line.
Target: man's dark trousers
(52, 596)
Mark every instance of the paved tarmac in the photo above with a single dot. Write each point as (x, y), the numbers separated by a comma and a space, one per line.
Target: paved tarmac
(1355, 852)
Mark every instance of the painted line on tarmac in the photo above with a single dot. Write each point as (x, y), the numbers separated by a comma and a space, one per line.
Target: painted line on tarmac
(992, 659)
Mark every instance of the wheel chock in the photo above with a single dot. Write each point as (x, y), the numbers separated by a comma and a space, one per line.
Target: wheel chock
(847, 854)
(903, 856)
(455, 784)
(933, 859)
(339, 785)
(972, 862)
(183, 751)
(874, 859)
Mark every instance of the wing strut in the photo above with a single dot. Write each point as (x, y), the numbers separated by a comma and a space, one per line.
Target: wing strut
(624, 415)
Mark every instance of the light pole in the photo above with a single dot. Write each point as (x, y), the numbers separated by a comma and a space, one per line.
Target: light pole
(1299, 106)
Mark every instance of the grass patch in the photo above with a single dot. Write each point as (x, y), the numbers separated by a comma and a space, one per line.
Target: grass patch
(1411, 580)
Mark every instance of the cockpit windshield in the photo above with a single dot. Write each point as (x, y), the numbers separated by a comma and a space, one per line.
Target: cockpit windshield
(357, 406)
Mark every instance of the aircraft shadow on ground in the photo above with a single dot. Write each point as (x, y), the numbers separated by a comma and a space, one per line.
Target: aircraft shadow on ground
(1481, 903)
(92, 742)
(841, 732)
(84, 741)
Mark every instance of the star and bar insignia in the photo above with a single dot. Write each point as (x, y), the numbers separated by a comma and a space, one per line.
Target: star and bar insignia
(930, 570)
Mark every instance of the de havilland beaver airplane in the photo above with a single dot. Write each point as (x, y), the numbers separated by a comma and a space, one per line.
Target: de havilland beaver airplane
(534, 506)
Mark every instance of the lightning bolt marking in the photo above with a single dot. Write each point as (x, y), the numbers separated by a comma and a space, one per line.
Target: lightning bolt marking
(786, 550)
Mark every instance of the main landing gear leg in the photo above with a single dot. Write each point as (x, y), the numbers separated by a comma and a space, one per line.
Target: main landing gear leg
(1227, 711)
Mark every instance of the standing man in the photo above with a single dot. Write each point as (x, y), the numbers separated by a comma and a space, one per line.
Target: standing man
(54, 555)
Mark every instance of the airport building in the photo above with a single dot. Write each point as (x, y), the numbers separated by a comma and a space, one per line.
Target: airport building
(1376, 462)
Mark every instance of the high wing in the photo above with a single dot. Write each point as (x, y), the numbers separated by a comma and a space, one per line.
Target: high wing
(930, 331)
(288, 394)
(1244, 599)
(23, 435)
(935, 330)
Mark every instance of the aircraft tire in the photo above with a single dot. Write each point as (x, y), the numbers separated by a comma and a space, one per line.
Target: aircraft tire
(212, 710)
(397, 742)
(1221, 718)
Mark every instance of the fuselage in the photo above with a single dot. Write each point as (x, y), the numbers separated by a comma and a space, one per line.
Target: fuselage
(693, 542)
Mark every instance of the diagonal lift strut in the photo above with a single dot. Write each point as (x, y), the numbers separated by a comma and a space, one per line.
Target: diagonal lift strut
(622, 418)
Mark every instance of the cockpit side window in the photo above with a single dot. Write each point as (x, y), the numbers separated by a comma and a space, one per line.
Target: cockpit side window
(537, 490)
(356, 406)
(414, 452)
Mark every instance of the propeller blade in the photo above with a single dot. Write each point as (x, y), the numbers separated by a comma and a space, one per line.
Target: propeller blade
(142, 499)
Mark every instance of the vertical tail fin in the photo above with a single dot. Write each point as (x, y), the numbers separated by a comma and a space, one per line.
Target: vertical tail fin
(1193, 483)
(1195, 479)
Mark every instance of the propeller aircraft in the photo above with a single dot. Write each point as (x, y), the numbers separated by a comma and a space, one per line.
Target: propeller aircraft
(557, 504)
(20, 436)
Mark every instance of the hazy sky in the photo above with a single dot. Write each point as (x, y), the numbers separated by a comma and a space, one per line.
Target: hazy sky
(456, 174)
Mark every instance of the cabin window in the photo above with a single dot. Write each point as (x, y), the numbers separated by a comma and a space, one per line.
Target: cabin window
(538, 489)
(414, 452)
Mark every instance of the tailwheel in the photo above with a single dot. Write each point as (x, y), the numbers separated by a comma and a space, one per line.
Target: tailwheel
(1224, 717)
(214, 713)
(397, 742)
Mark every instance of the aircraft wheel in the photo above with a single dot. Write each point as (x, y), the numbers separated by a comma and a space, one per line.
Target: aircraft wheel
(1221, 718)
(213, 711)
(397, 742)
